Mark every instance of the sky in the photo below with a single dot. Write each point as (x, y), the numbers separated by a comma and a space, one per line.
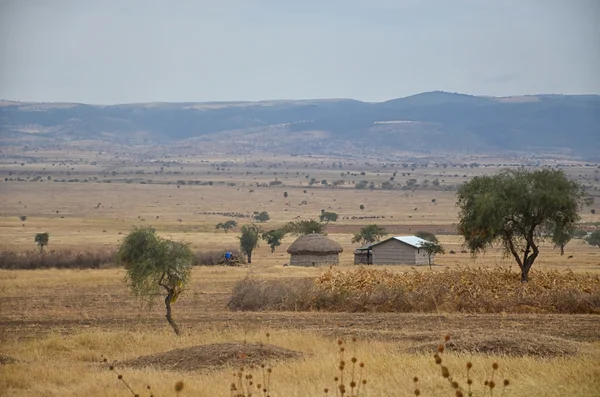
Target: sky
(123, 51)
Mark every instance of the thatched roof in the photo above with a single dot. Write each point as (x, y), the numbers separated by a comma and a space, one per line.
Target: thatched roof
(314, 244)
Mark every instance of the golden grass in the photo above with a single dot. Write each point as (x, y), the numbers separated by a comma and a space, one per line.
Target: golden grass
(58, 366)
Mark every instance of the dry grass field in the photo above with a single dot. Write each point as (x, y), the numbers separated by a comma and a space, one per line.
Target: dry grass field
(56, 324)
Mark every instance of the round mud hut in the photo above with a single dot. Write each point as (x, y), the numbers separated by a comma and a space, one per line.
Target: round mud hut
(314, 250)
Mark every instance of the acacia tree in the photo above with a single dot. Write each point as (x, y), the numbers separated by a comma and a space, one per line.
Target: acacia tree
(369, 234)
(153, 263)
(303, 227)
(517, 208)
(249, 239)
(561, 238)
(432, 249)
(273, 238)
(230, 224)
(327, 216)
(41, 240)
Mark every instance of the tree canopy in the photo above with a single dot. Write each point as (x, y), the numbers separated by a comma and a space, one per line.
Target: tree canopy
(262, 216)
(369, 234)
(41, 239)
(273, 238)
(227, 225)
(303, 227)
(249, 239)
(517, 208)
(328, 216)
(153, 263)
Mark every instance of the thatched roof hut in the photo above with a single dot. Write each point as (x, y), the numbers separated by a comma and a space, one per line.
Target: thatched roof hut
(314, 250)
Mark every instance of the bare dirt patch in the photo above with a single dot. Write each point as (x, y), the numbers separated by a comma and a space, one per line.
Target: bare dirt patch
(214, 356)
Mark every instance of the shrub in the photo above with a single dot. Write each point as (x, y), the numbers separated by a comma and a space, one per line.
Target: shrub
(60, 259)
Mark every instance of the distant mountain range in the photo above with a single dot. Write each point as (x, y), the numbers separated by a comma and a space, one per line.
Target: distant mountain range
(431, 122)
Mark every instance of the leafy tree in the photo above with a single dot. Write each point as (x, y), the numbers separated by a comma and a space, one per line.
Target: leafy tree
(273, 238)
(516, 208)
(23, 218)
(579, 233)
(249, 239)
(41, 240)
(285, 194)
(230, 224)
(303, 227)
(427, 236)
(153, 263)
(432, 249)
(362, 207)
(262, 216)
(328, 216)
(594, 239)
(369, 234)
(561, 237)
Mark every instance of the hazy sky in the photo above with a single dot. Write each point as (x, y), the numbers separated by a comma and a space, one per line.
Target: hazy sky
(115, 51)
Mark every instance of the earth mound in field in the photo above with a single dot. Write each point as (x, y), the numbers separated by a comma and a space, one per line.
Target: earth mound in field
(509, 344)
(214, 356)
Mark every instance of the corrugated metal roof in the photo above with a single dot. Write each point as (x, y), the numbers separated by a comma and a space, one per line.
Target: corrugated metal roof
(414, 241)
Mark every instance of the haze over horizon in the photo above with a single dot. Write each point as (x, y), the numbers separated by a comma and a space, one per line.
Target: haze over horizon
(234, 50)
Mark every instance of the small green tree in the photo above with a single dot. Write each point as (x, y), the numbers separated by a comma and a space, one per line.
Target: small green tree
(41, 239)
(328, 216)
(226, 226)
(273, 238)
(362, 207)
(518, 209)
(432, 249)
(561, 238)
(303, 227)
(427, 236)
(23, 218)
(369, 234)
(262, 216)
(249, 239)
(285, 194)
(153, 263)
(594, 239)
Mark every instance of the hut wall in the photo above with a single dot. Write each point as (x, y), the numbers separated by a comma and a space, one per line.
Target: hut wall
(394, 252)
(421, 257)
(314, 260)
(362, 258)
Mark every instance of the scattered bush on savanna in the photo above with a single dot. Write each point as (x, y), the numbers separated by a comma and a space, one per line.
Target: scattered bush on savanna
(470, 290)
(217, 258)
(60, 259)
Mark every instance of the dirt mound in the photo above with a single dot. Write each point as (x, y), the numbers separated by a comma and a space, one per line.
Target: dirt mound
(510, 344)
(7, 360)
(212, 356)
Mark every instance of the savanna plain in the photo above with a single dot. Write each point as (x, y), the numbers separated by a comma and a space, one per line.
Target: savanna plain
(57, 325)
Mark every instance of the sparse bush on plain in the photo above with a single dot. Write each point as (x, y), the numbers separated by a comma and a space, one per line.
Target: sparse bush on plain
(59, 259)
(467, 290)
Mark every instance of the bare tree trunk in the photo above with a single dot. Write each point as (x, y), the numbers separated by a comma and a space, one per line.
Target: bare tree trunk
(562, 249)
(168, 306)
(249, 256)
